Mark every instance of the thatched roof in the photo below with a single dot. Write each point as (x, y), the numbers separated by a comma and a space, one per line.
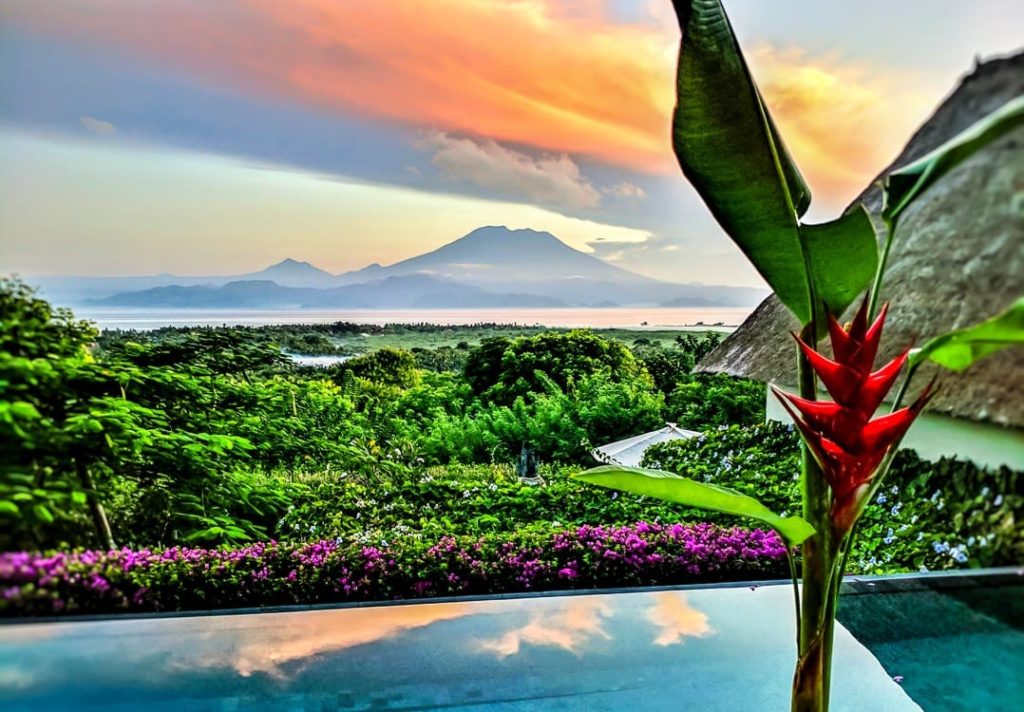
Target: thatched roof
(958, 258)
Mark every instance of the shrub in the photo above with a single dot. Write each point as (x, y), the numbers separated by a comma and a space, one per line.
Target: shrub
(362, 570)
(668, 365)
(701, 401)
(387, 367)
(930, 515)
(502, 369)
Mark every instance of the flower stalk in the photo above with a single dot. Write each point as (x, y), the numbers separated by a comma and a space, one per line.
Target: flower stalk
(845, 453)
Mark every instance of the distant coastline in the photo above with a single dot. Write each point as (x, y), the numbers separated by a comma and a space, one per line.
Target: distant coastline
(639, 318)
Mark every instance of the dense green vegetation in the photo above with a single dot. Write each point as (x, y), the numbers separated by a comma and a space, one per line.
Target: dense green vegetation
(928, 516)
(212, 437)
(348, 338)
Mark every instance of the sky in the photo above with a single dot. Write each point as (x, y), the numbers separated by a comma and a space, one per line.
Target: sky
(220, 136)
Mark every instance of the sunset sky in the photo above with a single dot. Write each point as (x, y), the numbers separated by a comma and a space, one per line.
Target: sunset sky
(219, 136)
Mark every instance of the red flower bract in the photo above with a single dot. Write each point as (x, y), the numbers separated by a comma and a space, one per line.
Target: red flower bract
(847, 444)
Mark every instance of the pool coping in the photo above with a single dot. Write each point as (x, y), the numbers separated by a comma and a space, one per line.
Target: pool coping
(852, 585)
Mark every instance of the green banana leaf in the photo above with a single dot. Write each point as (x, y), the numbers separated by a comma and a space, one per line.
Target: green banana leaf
(902, 186)
(672, 488)
(730, 150)
(959, 349)
(842, 257)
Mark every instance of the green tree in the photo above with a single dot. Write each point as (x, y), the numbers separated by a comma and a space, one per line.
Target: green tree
(49, 429)
(389, 367)
(502, 370)
(701, 401)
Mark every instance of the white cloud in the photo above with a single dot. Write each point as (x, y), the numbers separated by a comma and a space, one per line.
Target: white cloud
(97, 126)
(620, 251)
(547, 179)
(626, 190)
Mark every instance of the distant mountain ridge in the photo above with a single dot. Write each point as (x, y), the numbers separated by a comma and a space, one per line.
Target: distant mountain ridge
(495, 253)
(292, 273)
(491, 266)
(412, 292)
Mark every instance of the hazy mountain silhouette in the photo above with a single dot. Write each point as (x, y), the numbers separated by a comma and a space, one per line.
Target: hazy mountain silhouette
(537, 262)
(410, 292)
(490, 266)
(497, 254)
(293, 273)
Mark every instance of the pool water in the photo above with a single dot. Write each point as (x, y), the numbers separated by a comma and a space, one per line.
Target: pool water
(957, 642)
(727, 648)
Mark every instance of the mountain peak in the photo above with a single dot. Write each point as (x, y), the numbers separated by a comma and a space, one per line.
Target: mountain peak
(290, 263)
(496, 240)
(293, 273)
(503, 232)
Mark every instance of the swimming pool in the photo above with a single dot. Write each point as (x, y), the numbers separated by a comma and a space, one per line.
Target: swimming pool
(721, 648)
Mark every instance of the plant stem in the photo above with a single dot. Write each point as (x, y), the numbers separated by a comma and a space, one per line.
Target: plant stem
(911, 370)
(791, 558)
(810, 681)
(876, 287)
(99, 516)
(832, 607)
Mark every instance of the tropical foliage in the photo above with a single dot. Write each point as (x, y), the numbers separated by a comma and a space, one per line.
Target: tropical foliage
(210, 435)
(732, 153)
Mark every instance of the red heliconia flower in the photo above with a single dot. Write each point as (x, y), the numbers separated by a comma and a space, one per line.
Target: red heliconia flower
(847, 444)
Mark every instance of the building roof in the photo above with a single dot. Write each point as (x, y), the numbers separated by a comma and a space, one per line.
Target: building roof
(958, 258)
(630, 452)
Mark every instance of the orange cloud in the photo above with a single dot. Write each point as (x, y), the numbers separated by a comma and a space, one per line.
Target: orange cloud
(265, 644)
(559, 76)
(522, 71)
(676, 619)
(843, 123)
(569, 627)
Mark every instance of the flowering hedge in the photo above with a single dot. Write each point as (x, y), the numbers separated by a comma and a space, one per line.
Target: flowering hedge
(335, 570)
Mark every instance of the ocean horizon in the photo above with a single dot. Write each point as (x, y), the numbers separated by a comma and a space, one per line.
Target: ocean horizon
(145, 319)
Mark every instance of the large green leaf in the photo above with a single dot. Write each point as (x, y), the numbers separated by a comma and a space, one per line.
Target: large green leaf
(842, 256)
(672, 488)
(730, 150)
(959, 349)
(904, 185)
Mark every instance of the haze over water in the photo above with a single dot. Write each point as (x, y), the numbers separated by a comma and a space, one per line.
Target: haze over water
(624, 317)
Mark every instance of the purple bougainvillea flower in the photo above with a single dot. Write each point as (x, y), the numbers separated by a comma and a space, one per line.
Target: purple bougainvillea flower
(840, 434)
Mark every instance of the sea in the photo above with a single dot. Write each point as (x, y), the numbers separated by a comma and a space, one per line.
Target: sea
(640, 318)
